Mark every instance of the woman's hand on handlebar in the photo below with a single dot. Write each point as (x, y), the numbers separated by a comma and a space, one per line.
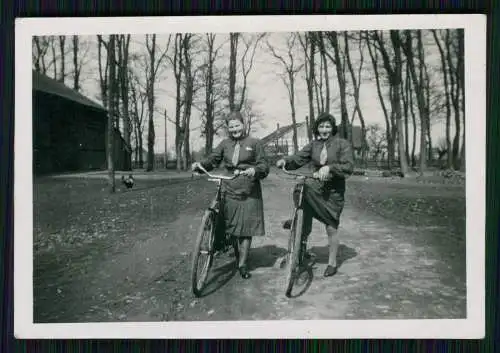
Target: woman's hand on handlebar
(323, 173)
(281, 163)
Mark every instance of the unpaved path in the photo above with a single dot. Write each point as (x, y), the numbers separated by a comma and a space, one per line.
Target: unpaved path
(388, 271)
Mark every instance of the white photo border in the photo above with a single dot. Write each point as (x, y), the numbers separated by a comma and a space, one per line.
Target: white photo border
(473, 327)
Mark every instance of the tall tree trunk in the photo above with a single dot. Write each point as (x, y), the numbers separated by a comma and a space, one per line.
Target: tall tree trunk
(357, 84)
(111, 128)
(151, 103)
(408, 49)
(310, 69)
(178, 63)
(188, 99)
(103, 72)
(76, 65)
(396, 81)
(374, 60)
(454, 99)
(209, 96)
(322, 51)
(234, 38)
(427, 90)
(124, 85)
(404, 95)
(62, 48)
(461, 80)
(342, 85)
(414, 124)
(444, 70)
(54, 59)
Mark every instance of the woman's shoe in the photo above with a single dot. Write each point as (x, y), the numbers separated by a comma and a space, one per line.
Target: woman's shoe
(287, 224)
(244, 272)
(330, 271)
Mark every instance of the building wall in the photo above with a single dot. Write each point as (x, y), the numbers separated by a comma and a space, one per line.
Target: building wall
(70, 137)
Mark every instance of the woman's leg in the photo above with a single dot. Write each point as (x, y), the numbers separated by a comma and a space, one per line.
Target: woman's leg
(333, 245)
(244, 249)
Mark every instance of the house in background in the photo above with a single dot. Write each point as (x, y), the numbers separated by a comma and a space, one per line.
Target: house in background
(280, 142)
(70, 131)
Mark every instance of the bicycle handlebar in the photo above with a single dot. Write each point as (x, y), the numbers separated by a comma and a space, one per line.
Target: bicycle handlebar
(221, 177)
(298, 174)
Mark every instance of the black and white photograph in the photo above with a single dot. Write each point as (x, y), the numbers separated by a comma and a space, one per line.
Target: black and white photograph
(250, 177)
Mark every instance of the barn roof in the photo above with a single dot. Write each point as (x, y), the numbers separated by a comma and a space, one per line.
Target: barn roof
(43, 83)
(278, 133)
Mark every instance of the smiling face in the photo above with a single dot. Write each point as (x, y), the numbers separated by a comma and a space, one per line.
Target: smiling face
(325, 130)
(235, 128)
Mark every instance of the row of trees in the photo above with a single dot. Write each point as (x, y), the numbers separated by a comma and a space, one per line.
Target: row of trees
(414, 89)
(415, 86)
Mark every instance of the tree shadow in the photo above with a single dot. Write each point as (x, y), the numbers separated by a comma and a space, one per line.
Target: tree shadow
(344, 254)
(264, 256)
(220, 277)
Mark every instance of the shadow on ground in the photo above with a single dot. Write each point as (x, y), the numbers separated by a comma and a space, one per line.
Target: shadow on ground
(264, 256)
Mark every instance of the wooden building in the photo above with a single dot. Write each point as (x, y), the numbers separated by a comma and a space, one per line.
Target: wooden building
(70, 131)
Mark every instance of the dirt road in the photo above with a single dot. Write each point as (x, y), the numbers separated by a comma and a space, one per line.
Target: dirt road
(139, 270)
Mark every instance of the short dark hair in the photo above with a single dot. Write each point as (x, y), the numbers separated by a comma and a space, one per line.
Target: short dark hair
(235, 115)
(321, 118)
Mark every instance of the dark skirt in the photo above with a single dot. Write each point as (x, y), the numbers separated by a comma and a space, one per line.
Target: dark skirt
(244, 214)
(322, 202)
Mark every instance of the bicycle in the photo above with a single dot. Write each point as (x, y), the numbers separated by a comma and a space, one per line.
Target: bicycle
(296, 244)
(212, 224)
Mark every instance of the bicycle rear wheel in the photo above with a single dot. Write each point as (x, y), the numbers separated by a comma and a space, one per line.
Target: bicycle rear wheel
(294, 243)
(203, 252)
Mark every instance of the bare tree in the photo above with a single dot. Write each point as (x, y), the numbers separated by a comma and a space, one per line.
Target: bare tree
(374, 59)
(356, 82)
(40, 46)
(188, 97)
(62, 48)
(396, 100)
(103, 70)
(233, 38)
(444, 70)
(212, 93)
(376, 140)
(309, 48)
(123, 75)
(111, 112)
(334, 42)
(461, 80)
(408, 50)
(322, 51)
(454, 93)
(154, 63)
(291, 68)
(246, 64)
(54, 59)
(138, 99)
(76, 67)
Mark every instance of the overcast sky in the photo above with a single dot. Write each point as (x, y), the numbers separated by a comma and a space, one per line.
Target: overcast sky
(264, 87)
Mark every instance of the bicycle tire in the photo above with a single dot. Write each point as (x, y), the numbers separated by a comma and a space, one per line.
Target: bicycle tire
(198, 281)
(294, 246)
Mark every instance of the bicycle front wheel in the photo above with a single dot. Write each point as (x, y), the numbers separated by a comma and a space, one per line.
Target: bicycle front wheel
(203, 252)
(294, 243)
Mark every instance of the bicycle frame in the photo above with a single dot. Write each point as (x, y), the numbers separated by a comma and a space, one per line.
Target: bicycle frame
(300, 186)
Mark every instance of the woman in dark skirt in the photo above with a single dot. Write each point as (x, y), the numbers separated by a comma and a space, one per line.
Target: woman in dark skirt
(243, 211)
(333, 161)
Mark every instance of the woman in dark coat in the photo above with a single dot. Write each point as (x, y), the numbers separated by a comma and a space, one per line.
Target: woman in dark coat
(333, 161)
(243, 211)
